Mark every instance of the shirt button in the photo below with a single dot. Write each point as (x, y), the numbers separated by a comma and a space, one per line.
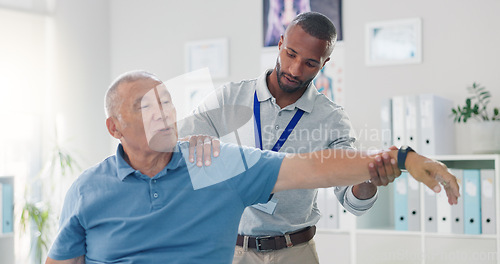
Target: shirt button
(279, 114)
(277, 127)
(154, 181)
(155, 195)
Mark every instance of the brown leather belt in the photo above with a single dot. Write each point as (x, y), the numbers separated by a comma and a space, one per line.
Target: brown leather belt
(267, 243)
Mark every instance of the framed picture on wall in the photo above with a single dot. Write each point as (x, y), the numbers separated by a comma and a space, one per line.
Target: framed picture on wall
(212, 54)
(278, 14)
(394, 42)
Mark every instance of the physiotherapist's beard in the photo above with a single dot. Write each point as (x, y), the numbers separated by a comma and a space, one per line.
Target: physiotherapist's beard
(301, 85)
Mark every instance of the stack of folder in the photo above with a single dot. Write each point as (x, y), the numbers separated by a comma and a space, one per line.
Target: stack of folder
(420, 121)
(475, 212)
(333, 214)
(407, 203)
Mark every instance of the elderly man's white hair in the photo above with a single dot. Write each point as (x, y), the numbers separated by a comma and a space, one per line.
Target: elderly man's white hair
(112, 100)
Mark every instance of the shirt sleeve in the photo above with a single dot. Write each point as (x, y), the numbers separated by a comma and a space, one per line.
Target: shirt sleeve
(250, 172)
(200, 121)
(257, 182)
(70, 240)
(345, 140)
(351, 203)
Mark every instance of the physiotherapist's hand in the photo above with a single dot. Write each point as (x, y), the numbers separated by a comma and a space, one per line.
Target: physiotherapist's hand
(384, 170)
(205, 146)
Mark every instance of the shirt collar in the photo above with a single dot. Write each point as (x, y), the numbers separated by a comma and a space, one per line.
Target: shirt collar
(305, 102)
(262, 90)
(123, 169)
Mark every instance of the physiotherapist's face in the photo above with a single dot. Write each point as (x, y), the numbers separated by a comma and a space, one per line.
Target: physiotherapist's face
(301, 56)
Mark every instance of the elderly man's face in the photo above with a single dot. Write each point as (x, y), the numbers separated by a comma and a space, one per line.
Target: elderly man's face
(148, 116)
(159, 116)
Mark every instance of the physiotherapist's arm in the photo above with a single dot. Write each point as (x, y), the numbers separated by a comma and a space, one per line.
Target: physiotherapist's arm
(200, 121)
(77, 260)
(340, 167)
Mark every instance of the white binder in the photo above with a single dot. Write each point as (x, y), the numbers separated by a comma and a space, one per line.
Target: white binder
(488, 212)
(457, 210)
(321, 205)
(437, 136)
(398, 121)
(401, 202)
(332, 209)
(412, 121)
(443, 213)
(430, 212)
(414, 213)
(347, 221)
(386, 123)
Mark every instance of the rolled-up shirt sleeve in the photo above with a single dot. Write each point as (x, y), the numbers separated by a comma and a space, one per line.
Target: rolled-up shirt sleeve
(351, 203)
(346, 140)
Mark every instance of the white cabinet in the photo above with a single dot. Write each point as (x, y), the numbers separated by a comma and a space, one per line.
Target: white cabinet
(6, 239)
(373, 240)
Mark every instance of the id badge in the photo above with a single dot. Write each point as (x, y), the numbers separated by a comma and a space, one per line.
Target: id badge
(268, 207)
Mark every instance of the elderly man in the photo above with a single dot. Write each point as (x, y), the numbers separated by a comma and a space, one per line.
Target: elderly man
(146, 204)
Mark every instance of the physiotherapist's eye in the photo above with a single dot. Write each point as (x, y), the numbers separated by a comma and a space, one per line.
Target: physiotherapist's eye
(144, 106)
(290, 55)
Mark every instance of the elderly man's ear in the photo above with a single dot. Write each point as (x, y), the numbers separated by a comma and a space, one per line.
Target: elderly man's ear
(111, 124)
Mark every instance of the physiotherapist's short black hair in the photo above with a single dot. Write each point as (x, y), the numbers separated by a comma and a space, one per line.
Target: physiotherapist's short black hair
(316, 25)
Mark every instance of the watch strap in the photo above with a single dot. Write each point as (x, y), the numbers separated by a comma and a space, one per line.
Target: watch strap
(402, 153)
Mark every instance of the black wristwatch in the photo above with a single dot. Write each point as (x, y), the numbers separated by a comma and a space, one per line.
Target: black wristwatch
(402, 153)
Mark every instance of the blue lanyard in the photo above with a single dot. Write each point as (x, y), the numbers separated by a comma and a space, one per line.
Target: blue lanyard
(288, 130)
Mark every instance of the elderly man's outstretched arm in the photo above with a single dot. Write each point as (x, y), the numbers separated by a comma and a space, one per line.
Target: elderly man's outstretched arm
(339, 167)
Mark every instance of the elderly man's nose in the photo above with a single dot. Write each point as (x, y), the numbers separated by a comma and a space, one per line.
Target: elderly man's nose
(157, 114)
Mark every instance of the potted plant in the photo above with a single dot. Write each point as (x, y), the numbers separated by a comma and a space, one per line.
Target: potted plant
(484, 122)
(40, 211)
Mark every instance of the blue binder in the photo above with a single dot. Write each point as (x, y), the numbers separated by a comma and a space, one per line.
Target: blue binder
(401, 202)
(7, 208)
(472, 201)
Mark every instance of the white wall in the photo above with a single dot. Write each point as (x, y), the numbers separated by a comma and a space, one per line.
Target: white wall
(80, 60)
(460, 46)
(151, 35)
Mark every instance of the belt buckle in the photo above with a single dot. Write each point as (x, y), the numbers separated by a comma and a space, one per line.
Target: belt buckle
(258, 244)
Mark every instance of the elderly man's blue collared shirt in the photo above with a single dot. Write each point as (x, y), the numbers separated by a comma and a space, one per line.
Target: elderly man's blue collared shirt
(184, 214)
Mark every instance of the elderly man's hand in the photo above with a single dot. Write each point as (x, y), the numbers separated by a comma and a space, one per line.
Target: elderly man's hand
(432, 173)
(204, 145)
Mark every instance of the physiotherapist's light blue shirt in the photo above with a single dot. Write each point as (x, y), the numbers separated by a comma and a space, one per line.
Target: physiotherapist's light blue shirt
(184, 214)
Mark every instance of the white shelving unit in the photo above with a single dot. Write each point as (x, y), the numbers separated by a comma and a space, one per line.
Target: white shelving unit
(6, 240)
(373, 239)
